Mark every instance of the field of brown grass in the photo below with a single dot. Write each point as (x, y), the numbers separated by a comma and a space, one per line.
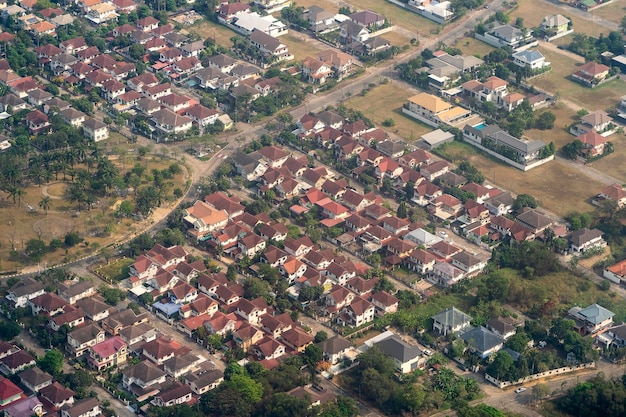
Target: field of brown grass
(385, 101)
(472, 46)
(214, 31)
(547, 182)
(533, 12)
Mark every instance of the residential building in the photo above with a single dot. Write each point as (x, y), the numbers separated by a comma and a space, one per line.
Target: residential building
(35, 379)
(95, 130)
(591, 320)
(434, 111)
(76, 291)
(483, 341)
(451, 321)
(87, 407)
(204, 379)
(405, 357)
(584, 239)
(591, 73)
(530, 59)
(80, 340)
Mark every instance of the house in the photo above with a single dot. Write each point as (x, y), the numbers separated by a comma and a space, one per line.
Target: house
(75, 292)
(351, 32)
(296, 339)
(9, 392)
(227, 12)
(143, 378)
(81, 339)
(71, 317)
(202, 116)
(531, 59)
(87, 407)
(246, 22)
(101, 13)
(57, 395)
(135, 336)
(421, 261)
(534, 220)
(204, 379)
(369, 19)
(251, 311)
(23, 291)
(335, 348)
(95, 130)
(591, 320)
(357, 313)
(169, 122)
(316, 71)
(269, 46)
(470, 264)
(25, 408)
(504, 326)
(248, 165)
(507, 35)
(221, 323)
(48, 304)
(11, 103)
(616, 272)
(555, 24)
(384, 303)
(276, 325)
(584, 239)
(268, 348)
(320, 20)
(17, 362)
(451, 321)
(35, 379)
(502, 204)
(591, 73)
(614, 193)
(434, 111)
(597, 121)
(177, 394)
(271, 6)
(445, 69)
(405, 357)
(222, 62)
(37, 122)
(483, 341)
(246, 336)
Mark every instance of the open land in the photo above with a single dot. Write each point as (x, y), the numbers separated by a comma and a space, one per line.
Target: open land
(385, 101)
(533, 11)
(544, 182)
(614, 11)
(472, 46)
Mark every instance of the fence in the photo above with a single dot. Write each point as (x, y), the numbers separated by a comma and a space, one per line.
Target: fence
(552, 372)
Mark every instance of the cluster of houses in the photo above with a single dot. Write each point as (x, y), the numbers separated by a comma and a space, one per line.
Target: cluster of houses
(593, 131)
(26, 93)
(105, 337)
(34, 391)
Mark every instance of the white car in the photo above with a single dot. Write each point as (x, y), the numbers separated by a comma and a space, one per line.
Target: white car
(428, 352)
(443, 234)
(520, 389)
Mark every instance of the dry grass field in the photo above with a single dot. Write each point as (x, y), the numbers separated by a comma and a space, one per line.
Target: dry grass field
(613, 11)
(533, 13)
(613, 164)
(559, 135)
(299, 48)
(547, 182)
(385, 101)
(20, 222)
(472, 46)
(214, 31)
(557, 81)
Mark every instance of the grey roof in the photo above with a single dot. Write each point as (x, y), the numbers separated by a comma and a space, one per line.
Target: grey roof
(25, 287)
(484, 132)
(513, 354)
(619, 331)
(242, 70)
(482, 339)
(221, 60)
(264, 40)
(144, 371)
(330, 117)
(82, 286)
(506, 32)
(595, 314)
(352, 28)
(535, 219)
(581, 236)
(334, 345)
(204, 376)
(390, 147)
(452, 317)
(245, 160)
(398, 349)
(35, 376)
(436, 136)
(92, 306)
(87, 333)
(94, 124)
(528, 56)
(505, 199)
(466, 258)
(81, 407)
(460, 63)
(519, 145)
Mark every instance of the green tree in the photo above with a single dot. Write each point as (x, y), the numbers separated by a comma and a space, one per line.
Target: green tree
(51, 362)
(524, 200)
(9, 330)
(45, 203)
(320, 336)
(35, 249)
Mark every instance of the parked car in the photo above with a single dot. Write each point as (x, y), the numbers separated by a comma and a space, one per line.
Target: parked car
(520, 389)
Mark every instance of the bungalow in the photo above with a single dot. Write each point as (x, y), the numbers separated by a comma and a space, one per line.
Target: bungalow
(177, 394)
(584, 239)
(615, 273)
(483, 341)
(451, 321)
(591, 73)
(9, 392)
(405, 357)
(534, 220)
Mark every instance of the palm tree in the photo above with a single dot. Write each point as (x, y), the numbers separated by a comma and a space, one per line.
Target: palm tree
(45, 204)
(19, 193)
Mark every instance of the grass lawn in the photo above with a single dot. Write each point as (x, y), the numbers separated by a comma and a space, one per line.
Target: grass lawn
(613, 11)
(324, 4)
(299, 48)
(397, 16)
(533, 15)
(116, 270)
(559, 135)
(556, 81)
(396, 39)
(565, 289)
(472, 46)
(613, 164)
(211, 30)
(546, 182)
(385, 101)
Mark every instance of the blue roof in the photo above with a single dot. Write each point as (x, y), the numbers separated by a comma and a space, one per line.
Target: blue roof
(483, 339)
(168, 308)
(528, 56)
(596, 314)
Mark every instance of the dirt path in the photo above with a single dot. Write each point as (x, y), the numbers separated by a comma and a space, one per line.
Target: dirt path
(552, 47)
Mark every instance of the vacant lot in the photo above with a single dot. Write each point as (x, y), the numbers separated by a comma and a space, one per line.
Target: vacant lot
(213, 31)
(533, 11)
(613, 11)
(385, 101)
(546, 182)
(115, 270)
(472, 46)
(396, 39)
(324, 4)
(299, 48)
(559, 135)
(396, 15)
(557, 81)
(613, 164)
